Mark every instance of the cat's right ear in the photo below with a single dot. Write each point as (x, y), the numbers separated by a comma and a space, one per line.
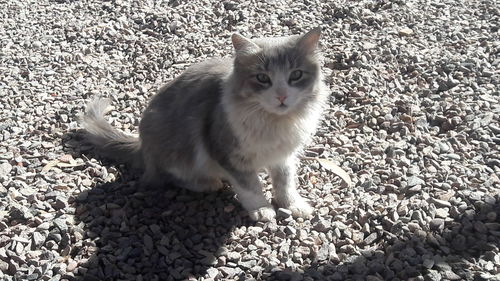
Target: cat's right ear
(309, 41)
(243, 45)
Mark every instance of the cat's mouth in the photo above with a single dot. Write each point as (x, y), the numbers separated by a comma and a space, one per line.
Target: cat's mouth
(282, 109)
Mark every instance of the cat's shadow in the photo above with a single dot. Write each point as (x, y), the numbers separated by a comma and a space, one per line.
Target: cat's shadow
(146, 233)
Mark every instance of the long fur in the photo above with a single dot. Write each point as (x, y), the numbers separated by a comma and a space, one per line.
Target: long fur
(110, 142)
(215, 121)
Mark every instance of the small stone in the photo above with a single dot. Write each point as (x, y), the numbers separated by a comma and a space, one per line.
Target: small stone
(491, 216)
(19, 212)
(254, 230)
(323, 225)
(414, 180)
(247, 264)
(228, 272)
(480, 227)
(437, 224)
(259, 243)
(19, 248)
(289, 230)
(5, 169)
(405, 32)
(432, 275)
(337, 276)
(33, 276)
(442, 265)
(443, 147)
(27, 191)
(490, 200)
(452, 156)
(450, 275)
(72, 264)
(60, 203)
(283, 213)
(20, 239)
(428, 263)
(66, 158)
(442, 213)
(323, 253)
(4, 266)
(86, 182)
(37, 239)
(415, 189)
(440, 203)
(459, 242)
(489, 266)
(60, 223)
(371, 238)
(44, 226)
(373, 278)
(156, 229)
(233, 256)
(358, 237)
(37, 44)
(493, 226)
(368, 45)
(148, 242)
(212, 272)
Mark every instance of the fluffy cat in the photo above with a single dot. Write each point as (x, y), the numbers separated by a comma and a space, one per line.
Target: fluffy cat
(228, 119)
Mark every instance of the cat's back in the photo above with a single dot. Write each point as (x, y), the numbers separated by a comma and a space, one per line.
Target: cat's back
(204, 76)
(211, 68)
(187, 98)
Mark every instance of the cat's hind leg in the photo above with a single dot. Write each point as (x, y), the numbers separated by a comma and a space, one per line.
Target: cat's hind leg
(152, 177)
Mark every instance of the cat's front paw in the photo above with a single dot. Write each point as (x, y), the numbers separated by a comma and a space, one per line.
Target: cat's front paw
(263, 214)
(301, 209)
(295, 203)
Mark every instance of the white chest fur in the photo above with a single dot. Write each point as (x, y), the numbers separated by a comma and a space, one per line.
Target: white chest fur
(266, 140)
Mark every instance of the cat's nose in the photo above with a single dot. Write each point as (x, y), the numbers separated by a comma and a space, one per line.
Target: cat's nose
(281, 98)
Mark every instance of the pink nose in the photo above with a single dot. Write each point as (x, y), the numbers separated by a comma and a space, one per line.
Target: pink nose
(281, 98)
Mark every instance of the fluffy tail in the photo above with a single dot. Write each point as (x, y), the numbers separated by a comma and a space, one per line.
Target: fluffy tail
(110, 142)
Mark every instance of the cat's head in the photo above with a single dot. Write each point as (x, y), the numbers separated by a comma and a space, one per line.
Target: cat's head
(277, 74)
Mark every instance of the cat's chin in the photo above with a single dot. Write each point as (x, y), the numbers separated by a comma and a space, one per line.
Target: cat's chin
(281, 110)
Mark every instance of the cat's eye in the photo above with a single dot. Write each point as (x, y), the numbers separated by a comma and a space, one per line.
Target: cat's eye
(263, 78)
(295, 75)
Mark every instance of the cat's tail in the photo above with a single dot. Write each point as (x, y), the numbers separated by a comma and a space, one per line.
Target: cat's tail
(110, 142)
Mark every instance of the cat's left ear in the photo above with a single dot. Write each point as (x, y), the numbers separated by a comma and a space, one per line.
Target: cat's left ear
(309, 41)
(243, 45)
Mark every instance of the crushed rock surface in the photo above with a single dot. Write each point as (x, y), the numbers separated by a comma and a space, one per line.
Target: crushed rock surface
(413, 119)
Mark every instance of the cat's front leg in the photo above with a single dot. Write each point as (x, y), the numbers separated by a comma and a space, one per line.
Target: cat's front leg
(249, 190)
(285, 191)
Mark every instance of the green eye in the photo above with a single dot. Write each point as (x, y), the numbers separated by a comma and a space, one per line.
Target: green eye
(263, 78)
(295, 75)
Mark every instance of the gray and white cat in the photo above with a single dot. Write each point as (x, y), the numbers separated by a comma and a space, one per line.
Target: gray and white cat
(228, 119)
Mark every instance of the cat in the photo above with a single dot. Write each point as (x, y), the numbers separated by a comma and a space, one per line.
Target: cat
(228, 119)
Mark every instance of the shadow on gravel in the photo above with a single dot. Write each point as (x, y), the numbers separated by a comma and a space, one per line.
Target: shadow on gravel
(134, 233)
(451, 250)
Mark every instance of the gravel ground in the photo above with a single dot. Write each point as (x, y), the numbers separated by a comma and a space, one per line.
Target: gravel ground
(413, 119)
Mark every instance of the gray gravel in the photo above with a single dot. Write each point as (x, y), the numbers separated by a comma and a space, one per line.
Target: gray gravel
(413, 119)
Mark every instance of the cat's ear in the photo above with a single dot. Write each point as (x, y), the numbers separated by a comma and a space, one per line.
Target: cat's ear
(243, 45)
(309, 41)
